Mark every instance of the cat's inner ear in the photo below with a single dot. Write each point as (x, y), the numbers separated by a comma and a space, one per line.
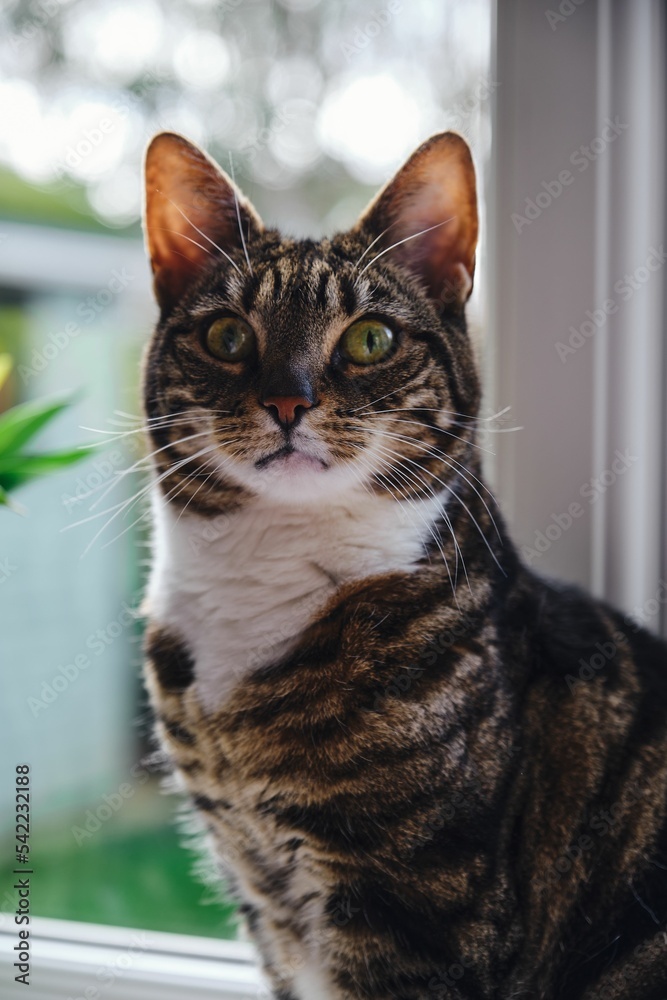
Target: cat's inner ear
(194, 213)
(427, 215)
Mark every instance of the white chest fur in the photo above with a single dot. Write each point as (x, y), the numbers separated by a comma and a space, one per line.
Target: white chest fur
(241, 589)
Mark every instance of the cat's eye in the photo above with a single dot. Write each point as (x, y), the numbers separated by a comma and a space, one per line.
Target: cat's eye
(366, 341)
(230, 339)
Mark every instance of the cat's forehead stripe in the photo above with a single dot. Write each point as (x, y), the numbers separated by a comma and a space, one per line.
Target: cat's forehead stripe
(267, 289)
(362, 290)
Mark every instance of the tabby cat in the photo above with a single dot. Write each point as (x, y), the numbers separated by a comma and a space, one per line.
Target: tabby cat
(425, 771)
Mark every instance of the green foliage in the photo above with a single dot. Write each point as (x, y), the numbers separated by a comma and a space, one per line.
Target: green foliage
(18, 426)
(128, 877)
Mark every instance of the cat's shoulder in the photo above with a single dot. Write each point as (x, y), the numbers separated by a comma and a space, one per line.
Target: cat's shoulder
(576, 636)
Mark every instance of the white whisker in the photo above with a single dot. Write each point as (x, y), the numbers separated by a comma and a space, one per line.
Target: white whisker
(438, 541)
(379, 400)
(451, 462)
(405, 240)
(433, 427)
(372, 244)
(201, 232)
(238, 214)
(128, 504)
(138, 466)
(453, 492)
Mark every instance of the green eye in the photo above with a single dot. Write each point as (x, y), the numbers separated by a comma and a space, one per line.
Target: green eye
(230, 339)
(366, 342)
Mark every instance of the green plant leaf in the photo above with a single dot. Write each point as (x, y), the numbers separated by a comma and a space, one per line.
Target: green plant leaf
(20, 423)
(18, 469)
(7, 501)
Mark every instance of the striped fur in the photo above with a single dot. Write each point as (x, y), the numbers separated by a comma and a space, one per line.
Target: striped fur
(424, 771)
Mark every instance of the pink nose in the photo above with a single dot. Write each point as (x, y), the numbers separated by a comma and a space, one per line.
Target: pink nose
(286, 407)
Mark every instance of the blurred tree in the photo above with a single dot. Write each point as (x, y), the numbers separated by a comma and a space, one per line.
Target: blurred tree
(294, 95)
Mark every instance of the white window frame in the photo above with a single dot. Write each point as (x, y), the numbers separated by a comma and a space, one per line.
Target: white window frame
(70, 958)
(559, 78)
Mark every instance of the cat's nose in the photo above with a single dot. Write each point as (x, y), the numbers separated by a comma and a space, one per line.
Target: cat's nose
(287, 410)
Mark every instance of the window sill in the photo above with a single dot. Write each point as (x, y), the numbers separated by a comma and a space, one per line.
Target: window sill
(76, 961)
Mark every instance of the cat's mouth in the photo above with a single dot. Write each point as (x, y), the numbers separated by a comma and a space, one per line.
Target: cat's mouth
(289, 457)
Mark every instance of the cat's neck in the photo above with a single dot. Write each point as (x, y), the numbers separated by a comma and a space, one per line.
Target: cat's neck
(241, 587)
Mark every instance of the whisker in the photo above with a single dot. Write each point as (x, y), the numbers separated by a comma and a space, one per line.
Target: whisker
(437, 409)
(238, 214)
(198, 230)
(447, 460)
(133, 500)
(457, 549)
(372, 244)
(435, 535)
(170, 496)
(176, 232)
(141, 418)
(234, 454)
(454, 494)
(379, 400)
(407, 499)
(119, 435)
(434, 427)
(405, 240)
(121, 503)
(224, 461)
(144, 460)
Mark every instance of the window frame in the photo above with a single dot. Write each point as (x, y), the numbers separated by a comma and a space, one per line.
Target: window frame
(604, 58)
(120, 963)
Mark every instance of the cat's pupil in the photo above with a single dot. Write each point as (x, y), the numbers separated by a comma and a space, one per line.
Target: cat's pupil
(370, 341)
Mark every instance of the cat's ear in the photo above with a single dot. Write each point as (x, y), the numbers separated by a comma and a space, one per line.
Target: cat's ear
(193, 212)
(427, 215)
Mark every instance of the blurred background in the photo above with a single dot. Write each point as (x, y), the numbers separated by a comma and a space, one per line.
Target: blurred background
(312, 104)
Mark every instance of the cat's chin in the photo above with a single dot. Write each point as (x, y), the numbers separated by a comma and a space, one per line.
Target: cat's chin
(294, 476)
(290, 462)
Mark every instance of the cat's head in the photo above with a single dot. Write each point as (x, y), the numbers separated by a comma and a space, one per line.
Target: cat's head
(300, 370)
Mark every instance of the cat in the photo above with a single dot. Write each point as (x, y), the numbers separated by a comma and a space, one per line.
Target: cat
(424, 771)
